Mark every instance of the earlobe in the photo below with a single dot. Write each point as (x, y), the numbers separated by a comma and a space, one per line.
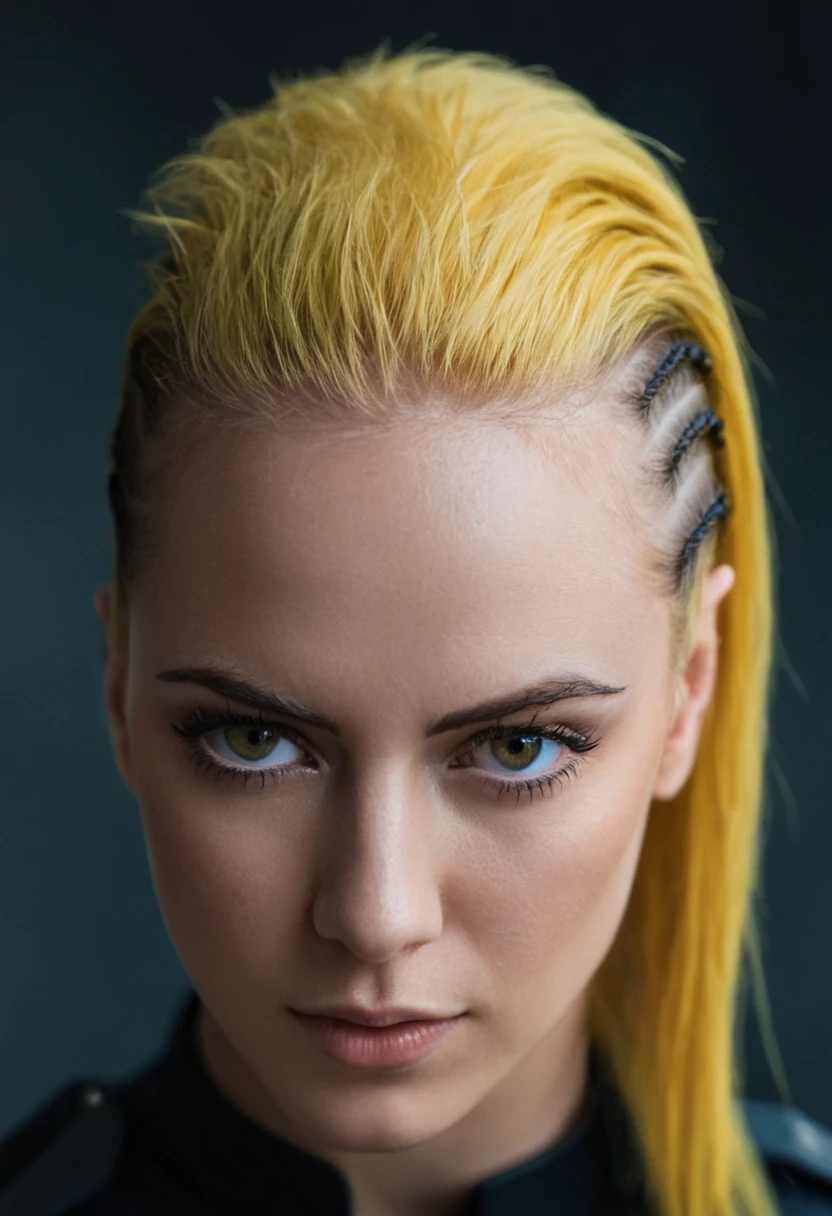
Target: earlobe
(101, 603)
(694, 692)
(114, 691)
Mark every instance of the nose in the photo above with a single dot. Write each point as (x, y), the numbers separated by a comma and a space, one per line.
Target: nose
(379, 881)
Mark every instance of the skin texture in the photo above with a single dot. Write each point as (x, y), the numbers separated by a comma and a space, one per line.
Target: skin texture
(383, 577)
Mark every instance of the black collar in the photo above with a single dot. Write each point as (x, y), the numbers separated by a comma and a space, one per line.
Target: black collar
(234, 1164)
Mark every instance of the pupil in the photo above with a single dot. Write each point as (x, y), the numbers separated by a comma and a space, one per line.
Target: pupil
(518, 751)
(250, 742)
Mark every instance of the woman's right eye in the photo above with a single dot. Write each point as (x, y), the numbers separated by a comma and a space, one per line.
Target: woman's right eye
(226, 742)
(252, 744)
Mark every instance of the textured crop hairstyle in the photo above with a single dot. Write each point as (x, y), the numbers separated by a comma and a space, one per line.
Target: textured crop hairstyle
(454, 223)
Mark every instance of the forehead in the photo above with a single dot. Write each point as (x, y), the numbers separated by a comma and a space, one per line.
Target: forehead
(412, 547)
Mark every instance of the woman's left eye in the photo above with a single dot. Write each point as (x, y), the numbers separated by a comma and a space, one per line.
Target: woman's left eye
(516, 748)
(529, 751)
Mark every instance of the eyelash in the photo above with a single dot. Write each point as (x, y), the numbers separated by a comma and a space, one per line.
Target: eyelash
(201, 721)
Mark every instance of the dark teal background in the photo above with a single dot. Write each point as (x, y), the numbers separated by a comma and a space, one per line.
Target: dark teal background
(96, 96)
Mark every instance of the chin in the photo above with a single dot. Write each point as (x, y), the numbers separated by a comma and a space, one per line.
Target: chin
(366, 1125)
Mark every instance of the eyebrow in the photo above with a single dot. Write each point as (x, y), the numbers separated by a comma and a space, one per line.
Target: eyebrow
(548, 692)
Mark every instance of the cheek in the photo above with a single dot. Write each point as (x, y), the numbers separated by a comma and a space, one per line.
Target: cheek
(227, 872)
(554, 898)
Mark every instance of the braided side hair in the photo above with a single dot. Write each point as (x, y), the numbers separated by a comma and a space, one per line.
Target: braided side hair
(681, 473)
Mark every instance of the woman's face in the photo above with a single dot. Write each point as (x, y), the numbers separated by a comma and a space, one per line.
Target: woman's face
(385, 579)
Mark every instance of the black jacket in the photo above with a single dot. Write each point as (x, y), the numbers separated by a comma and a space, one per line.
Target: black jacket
(168, 1143)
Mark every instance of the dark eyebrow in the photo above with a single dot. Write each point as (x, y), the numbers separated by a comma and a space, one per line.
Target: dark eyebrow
(227, 684)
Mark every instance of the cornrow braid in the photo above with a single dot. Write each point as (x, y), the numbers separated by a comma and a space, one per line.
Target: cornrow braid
(718, 509)
(673, 357)
(705, 420)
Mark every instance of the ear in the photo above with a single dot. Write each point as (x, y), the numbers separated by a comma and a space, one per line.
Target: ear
(115, 690)
(694, 688)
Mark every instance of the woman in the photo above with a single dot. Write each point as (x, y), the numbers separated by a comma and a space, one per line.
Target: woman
(439, 644)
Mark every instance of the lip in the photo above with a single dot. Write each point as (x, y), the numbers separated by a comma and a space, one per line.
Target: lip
(377, 1017)
(392, 1046)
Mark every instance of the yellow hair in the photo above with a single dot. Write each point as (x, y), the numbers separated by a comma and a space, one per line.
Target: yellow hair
(453, 218)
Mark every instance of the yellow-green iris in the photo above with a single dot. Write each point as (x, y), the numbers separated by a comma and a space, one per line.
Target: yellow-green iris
(516, 751)
(251, 742)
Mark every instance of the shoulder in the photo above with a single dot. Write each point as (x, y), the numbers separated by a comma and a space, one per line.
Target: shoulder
(797, 1152)
(63, 1155)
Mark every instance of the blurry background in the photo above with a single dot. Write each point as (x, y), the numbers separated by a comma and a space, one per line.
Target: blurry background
(96, 97)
